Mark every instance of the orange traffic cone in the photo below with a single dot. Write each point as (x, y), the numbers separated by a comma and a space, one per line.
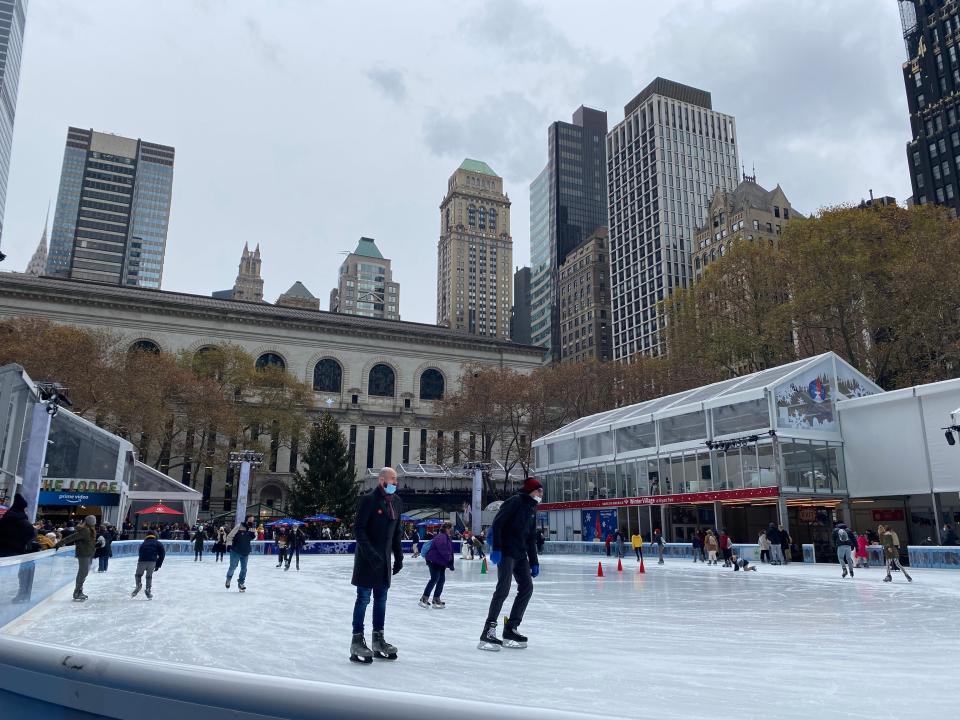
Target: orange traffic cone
(599, 569)
(619, 565)
(642, 569)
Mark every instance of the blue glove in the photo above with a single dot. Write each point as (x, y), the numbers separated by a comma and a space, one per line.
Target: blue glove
(534, 570)
(495, 557)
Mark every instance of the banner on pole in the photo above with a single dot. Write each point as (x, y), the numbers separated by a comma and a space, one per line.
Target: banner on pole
(36, 456)
(242, 491)
(476, 520)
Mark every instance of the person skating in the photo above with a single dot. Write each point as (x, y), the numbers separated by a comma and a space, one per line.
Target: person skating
(377, 532)
(282, 540)
(726, 548)
(696, 546)
(891, 552)
(238, 545)
(712, 546)
(220, 546)
(844, 541)
(104, 549)
(514, 552)
(84, 541)
(439, 559)
(785, 542)
(658, 542)
(16, 538)
(295, 542)
(637, 542)
(862, 555)
(149, 559)
(198, 538)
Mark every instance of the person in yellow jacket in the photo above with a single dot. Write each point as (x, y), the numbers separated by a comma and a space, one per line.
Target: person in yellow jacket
(637, 542)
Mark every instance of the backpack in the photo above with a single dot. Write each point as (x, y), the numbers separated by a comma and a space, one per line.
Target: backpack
(842, 536)
(424, 548)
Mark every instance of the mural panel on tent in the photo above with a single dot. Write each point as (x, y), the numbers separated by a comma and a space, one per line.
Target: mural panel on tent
(850, 383)
(805, 401)
(597, 524)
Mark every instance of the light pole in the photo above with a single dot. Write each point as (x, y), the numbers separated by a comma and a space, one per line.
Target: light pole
(244, 460)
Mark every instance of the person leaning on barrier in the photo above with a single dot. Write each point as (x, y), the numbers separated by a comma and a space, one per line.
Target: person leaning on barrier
(85, 543)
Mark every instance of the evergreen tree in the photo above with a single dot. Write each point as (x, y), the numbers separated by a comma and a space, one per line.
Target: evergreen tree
(327, 486)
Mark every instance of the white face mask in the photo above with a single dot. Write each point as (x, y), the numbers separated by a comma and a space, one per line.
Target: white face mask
(537, 498)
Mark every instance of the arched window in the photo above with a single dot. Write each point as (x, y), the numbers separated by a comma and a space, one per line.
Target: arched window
(207, 361)
(271, 360)
(327, 376)
(483, 218)
(431, 385)
(472, 216)
(382, 381)
(492, 219)
(145, 346)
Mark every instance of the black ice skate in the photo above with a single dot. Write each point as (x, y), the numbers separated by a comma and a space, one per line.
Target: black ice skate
(241, 587)
(513, 639)
(489, 640)
(381, 648)
(227, 584)
(149, 595)
(79, 598)
(851, 572)
(359, 652)
(135, 591)
(423, 602)
(844, 568)
(439, 604)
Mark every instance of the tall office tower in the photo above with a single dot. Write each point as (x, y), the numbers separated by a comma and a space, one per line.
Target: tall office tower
(583, 291)
(571, 202)
(665, 161)
(13, 19)
(365, 285)
(931, 75)
(113, 208)
(475, 253)
(249, 284)
(38, 262)
(520, 315)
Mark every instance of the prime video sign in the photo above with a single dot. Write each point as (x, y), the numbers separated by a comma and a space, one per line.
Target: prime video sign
(48, 497)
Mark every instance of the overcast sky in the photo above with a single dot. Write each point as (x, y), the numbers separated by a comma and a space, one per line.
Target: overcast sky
(303, 124)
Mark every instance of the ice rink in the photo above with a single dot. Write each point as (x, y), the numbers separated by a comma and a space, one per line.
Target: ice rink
(680, 641)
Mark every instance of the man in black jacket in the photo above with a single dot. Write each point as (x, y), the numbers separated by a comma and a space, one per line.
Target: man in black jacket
(149, 560)
(514, 551)
(377, 530)
(16, 536)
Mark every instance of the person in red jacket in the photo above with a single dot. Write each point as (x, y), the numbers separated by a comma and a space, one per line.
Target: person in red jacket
(862, 557)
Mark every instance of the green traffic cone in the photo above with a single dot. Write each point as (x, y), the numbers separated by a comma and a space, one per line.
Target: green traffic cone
(483, 567)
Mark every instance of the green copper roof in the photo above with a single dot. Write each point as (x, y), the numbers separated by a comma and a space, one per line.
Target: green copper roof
(477, 166)
(368, 248)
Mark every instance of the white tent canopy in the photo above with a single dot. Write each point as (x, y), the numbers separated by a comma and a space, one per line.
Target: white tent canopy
(148, 486)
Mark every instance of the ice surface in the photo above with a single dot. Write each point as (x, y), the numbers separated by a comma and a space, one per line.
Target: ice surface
(681, 641)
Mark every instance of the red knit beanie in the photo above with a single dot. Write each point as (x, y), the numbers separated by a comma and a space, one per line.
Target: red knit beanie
(531, 484)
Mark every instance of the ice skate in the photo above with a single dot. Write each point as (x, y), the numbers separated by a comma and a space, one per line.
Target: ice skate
(227, 584)
(287, 567)
(135, 591)
(359, 652)
(149, 595)
(439, 604)
(851, 572)
(888, 579)
(844, 568)
(381, 648)
(423, 602)
(489, 640)
(513, 639)
(79, 598)
(241, 587)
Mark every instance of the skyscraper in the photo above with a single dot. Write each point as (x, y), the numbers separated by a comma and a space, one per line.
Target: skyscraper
(113, 209)
(475, 253)
(666, 159)
(520, 315)
(571, 197)
(13, 19)
(931, 75)
(38, 262)
(365, 284)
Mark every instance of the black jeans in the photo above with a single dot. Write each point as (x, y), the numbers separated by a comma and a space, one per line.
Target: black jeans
(520, 571)
(438, 574)
(197, 555)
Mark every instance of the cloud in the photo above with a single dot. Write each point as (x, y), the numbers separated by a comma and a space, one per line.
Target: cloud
(269, 49)
(506, 131)
(520, 30)
(390, 82)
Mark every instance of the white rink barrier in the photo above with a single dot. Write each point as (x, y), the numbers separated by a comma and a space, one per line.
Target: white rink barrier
(42, 680)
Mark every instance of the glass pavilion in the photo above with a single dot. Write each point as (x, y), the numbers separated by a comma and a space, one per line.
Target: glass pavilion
(738, 453)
